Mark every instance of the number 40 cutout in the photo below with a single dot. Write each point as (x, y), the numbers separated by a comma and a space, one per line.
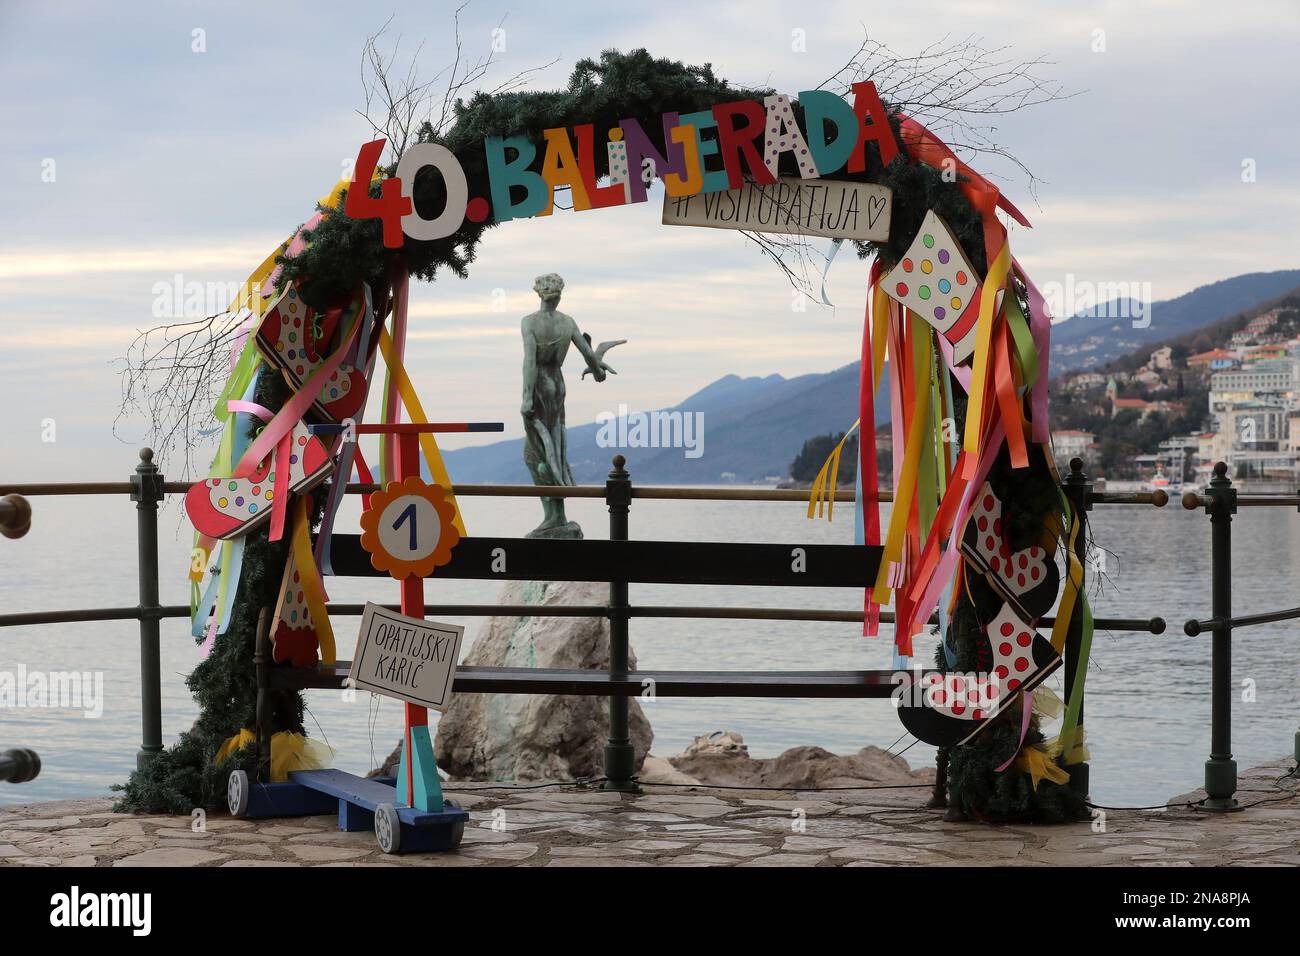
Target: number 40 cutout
(408, 529)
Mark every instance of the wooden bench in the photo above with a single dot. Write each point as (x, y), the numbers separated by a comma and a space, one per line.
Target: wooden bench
(618, 562)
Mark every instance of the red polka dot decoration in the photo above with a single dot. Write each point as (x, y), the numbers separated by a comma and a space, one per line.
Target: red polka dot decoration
(1027, 578)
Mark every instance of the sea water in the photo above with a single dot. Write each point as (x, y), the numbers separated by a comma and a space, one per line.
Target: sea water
(1148, 706)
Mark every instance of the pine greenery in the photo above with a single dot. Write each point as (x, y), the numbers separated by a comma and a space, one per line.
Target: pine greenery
(343, 253)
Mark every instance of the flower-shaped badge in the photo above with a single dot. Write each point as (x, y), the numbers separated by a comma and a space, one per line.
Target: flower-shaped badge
(409, 528)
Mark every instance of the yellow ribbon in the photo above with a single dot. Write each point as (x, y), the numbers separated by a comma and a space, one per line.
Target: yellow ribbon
(823, 486)
(1073, 584)
(907, 481)
(312, 589)
(993, 283)
(437, 470)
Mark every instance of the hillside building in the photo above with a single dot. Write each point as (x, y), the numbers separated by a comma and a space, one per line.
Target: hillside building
(1273, 380)
(1072, 443)
(1215, 360)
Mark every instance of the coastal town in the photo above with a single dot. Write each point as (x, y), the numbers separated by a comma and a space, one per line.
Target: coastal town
(1164, 421)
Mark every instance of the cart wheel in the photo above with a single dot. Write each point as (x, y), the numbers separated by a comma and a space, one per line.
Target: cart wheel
(457, 828)
(237, 793)
(388, 828)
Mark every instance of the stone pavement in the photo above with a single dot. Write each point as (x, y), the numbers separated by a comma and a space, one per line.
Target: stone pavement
(680, 826)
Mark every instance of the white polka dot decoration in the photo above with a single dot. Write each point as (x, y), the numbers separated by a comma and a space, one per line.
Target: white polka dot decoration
(618, 168)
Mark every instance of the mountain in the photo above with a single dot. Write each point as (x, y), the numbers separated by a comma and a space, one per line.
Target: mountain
(752, 429)
(1095, 336)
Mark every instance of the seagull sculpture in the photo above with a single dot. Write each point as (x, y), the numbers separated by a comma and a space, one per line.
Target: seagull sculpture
(600, 350)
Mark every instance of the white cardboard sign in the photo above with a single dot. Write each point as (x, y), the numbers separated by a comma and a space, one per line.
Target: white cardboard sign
(829, 208)
(406, 657)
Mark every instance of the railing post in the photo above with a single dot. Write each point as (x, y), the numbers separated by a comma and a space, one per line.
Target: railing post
(1079, 490)
(146, 492)
(620, 758)
(1221, 769)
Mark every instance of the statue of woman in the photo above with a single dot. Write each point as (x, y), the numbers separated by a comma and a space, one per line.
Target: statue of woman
(547, 335)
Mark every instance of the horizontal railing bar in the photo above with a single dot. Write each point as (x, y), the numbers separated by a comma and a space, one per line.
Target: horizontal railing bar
(1157, 498)
(486, 610)
(1193, 500)
(668, 493)
(91, 614)
(1153, 625)
(1193, 628)
(79, 488)
(740, 494)
(600, 683)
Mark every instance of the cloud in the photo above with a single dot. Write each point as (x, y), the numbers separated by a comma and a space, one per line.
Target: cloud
(175, 162)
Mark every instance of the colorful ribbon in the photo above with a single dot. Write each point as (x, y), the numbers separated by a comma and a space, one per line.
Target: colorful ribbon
(432, 457)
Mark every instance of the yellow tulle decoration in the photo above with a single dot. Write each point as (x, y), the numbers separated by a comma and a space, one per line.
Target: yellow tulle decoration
(237, 742)
(289, 751)
(296, 752)
(1046, 703)
(1039, 764)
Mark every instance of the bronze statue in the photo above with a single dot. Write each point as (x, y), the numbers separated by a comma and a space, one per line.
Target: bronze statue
(547, 334)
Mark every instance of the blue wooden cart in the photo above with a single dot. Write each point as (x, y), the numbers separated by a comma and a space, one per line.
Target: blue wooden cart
(362, 803)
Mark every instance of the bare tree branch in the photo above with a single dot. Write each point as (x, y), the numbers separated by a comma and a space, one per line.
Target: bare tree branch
(958, 88)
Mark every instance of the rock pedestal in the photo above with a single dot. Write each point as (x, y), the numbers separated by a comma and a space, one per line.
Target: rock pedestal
(518, 737)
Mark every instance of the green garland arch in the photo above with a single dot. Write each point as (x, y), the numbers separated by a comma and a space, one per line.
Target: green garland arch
(343, 252)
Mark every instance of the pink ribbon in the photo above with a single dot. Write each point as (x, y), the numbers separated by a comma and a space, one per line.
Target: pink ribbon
(960, 372)
(364, 358)
(1027, 706)
(296, 245)
(209, 639)
(392, 409)
(283, 450)
(293, 411)
(1040, 325)
(240, 340)
(250, 408)
(947, 564)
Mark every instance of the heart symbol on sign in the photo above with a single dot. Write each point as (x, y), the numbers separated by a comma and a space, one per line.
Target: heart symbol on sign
(876, 205)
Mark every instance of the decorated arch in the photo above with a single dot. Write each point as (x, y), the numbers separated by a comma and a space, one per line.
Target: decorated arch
(955, 343)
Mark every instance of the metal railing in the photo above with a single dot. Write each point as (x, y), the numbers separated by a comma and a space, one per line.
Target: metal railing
(147, 488)
(1221, 501)
(20, 765)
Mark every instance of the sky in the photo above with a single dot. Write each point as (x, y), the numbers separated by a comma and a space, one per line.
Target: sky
(141, 142)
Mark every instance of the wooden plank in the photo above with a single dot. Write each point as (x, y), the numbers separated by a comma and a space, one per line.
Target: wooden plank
(267, 800)
(368, 793)
(595, 683)
(363, 791)
(642, 562)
